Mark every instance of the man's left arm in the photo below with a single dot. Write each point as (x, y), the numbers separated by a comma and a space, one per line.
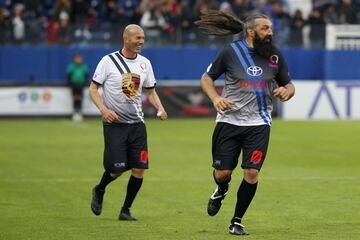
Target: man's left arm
(155, 101)
(286, 89)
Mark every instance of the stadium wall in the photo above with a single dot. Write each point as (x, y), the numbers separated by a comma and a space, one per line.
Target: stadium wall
(46, 65)
(330, 100)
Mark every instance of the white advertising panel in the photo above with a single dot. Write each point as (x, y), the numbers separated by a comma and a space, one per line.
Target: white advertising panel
(43, 101)
(313, 100)
(324, 100)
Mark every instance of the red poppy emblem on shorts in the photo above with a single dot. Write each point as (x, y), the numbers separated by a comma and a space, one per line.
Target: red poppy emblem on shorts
(143, 156)
(256, 156)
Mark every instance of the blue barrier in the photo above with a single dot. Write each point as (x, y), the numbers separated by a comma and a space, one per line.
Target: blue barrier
(305, 63)
(33, 65)
(342, 65)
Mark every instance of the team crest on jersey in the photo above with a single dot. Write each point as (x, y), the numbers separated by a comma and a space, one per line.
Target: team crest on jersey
(130, 84)
(273, 61)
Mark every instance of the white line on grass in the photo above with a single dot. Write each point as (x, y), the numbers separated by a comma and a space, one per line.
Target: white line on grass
(156, 179)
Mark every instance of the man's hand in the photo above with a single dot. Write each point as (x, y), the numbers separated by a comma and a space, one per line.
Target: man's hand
(109, 115)
(282, 93)
(162, 114)
(221, 104)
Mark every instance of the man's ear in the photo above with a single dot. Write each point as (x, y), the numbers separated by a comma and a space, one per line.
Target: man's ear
(251, 32)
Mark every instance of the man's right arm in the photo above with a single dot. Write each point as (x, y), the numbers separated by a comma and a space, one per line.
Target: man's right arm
(220, 103)
(109, 115)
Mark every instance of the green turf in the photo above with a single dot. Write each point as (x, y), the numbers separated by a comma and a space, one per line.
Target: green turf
(309, 187)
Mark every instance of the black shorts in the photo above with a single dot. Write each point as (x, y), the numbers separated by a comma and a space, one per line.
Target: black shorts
(125, 147)
(228, 140)
(76, 89)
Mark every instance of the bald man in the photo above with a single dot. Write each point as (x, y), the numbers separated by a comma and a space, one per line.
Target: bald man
(122, 75)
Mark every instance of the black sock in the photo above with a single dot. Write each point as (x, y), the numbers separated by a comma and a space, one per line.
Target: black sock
(223, 186)
(133, 187)
(245, 194)
(77, 105)
(105, 180)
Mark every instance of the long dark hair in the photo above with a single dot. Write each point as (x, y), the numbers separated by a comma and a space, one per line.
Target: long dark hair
(219, 23)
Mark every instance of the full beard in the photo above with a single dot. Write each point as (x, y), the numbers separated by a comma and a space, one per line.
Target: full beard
(264, 46)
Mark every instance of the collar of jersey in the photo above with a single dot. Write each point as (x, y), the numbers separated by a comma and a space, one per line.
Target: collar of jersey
(126, 57)
(250, 49)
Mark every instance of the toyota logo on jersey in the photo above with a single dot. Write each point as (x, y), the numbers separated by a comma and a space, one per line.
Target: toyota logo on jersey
(254, 71)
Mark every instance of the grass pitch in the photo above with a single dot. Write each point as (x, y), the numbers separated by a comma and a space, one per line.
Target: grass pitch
(309, 186)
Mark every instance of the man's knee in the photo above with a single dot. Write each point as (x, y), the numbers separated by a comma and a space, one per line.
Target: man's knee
(138, 173)
(222, 175)
(115, 175)
(251, 175)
